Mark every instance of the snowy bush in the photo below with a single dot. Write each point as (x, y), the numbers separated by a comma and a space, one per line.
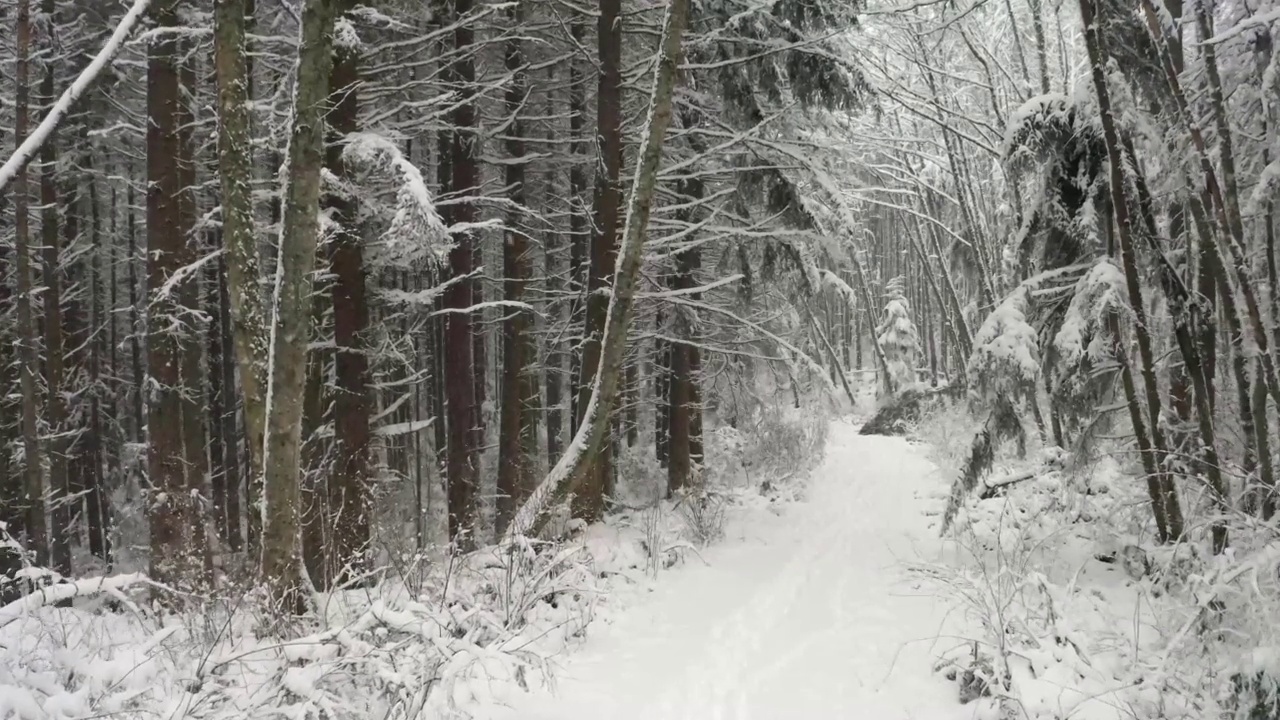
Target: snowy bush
(1098, 294)
(1078, 614)
(703, 512)
(945, 430)
(898, 337)
(486, 621)
(1006, 354)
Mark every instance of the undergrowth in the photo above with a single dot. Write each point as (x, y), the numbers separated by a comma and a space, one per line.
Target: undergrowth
(432, 635)
(1074, 610)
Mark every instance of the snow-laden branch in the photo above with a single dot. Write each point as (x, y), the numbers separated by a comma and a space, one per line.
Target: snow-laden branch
(1261, 20)
(416, 225)
(835, 282)
(680, 292)
(58, 592)
(41, 134)
(182, 273)
(513, 304)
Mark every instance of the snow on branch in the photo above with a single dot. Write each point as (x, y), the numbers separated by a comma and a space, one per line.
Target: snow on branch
(416, 227)
(691, 291)
(420, 298)
(41, 134)
(1099, 293)
(58, 592)
(182, 273)
(834, 281)
(1006, 350)
(513, 304)
(1032, 117)
(1266, 190)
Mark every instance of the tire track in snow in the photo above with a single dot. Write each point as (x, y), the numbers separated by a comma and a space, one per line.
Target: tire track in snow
(828, 528)
(809, 624)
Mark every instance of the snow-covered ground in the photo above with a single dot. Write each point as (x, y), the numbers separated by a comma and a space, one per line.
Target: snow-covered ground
(810, 613)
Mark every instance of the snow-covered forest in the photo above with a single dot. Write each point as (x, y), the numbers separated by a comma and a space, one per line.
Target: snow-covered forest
(655, 358)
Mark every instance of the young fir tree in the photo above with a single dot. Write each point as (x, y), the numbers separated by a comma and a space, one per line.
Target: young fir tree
(898, 338)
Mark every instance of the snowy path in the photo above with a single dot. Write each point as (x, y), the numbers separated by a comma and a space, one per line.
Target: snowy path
(810, 616)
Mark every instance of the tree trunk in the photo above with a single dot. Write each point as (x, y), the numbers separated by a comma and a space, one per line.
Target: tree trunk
(12, 492)
(588, 502)
(292, 313)
(459, 372)
(35, 520)
(99, 453)
(316, 459)
(570, 473)
(221, 392)
(174, 550)
(517, 442)
(681, 466)
(348, 491)
(136, 330)
(1165, 499)
(1042, 55)
(662, 400)
(191, 347)
(231, 465)
(235, 175)
(579, 235)
(55, 352)
(554, 365)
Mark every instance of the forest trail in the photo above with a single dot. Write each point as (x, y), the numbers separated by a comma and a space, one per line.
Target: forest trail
(812, 616)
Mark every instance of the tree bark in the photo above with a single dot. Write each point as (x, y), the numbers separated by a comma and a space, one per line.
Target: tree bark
(235, 175)
(348, 492)
(100, 454)
(684, 401)
(174, 550)
(1165, 502)
(292, 313)
(589, 501)
(55, 408)
(222, 438)
(662, 400)
(517, 442)
(570, 473)
(554, 364)
(35, 521)
(579, 235)
(459, 372)
(190, 344)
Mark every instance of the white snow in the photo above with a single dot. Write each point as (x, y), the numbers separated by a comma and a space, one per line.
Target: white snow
(807, 614)
(1006, 353)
